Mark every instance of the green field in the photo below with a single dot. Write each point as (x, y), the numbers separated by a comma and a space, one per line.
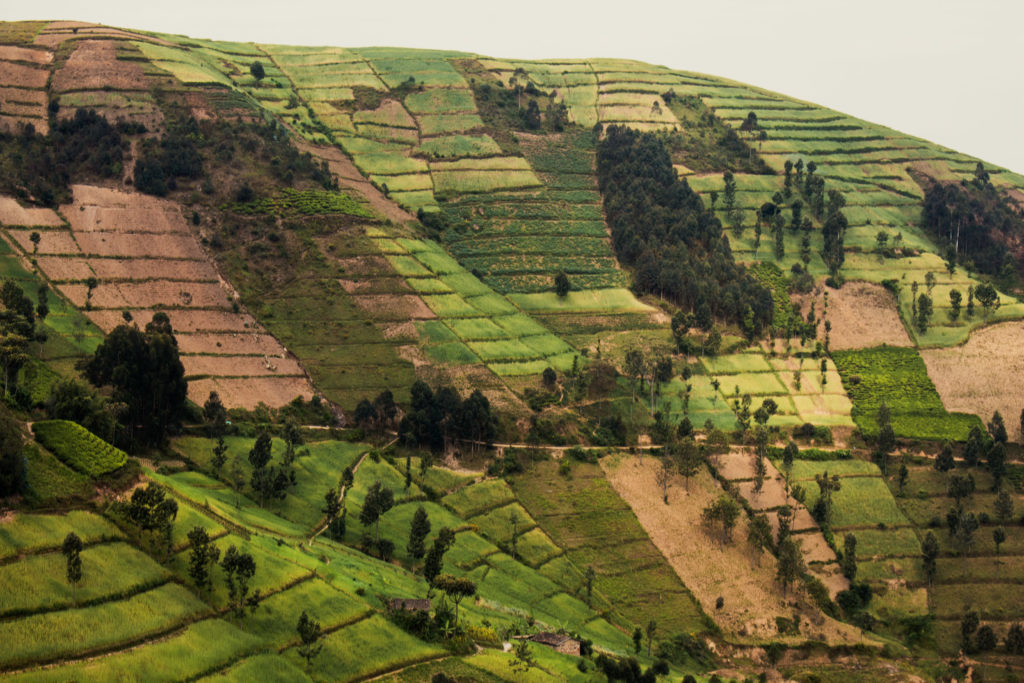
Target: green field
(898, 377)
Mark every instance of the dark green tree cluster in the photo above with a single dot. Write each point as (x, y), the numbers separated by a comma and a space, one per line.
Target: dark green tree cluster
(269, 482)
(660, 226)
(82, 147)
(978, 221)
(439, 418)
(153, 512)
(378, 415)
(12, 462)
(162, 162)
(146, 375)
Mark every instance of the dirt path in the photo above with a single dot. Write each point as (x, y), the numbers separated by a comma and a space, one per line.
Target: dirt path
(349, 177)
(710, 570)
(322, 526)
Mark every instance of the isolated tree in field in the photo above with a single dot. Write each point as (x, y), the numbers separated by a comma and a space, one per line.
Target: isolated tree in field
(456, 589)
(968, 625)
(336, 527)
(960, 486)
(826, 487)
(996, 460)
(365, 415)
(257, 71)
(379, 499)
(689, 458)
(1014, 642)
(562, 284)
(215, 415)
(418, 531)
(997, 428)
(969, 311)
(966, 526)
(220, 455)
(153, 513)
(663, 476)
(924, 312)
(901, 478)
(638, 639)
(652, 628)
(944, 461)
(35, 238)
(332, 505)
(202, 558)
(759, 535)
(532, 116)
(789, 454)
(310, 634)
(435, 557)
(91, 284)
(954, 305)
(522, 658)
(722, 513)
(929, 553)
(72, 551)
(1004, 507)
(849, 562)
(988, 297)
(998, 537)
(292, 438)
(239, 568)
(787, 183)
(974, 448)
(790, 564)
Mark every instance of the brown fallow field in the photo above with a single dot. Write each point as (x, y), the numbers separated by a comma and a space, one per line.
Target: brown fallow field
(862, 315)
(146, 259)
(983, 375)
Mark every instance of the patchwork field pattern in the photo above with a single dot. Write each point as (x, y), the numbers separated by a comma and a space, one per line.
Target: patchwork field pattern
(144, 259)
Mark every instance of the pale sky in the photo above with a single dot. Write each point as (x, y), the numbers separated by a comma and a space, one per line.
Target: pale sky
(944, 70)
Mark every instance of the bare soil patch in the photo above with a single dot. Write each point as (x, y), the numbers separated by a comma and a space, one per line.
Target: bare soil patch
(140, 269)
(240, 366)
(25, 54)
(13, 213)
(736, 465)
(51, 241)
(185, 321)
(404, 330)
(229, 343)
(364, 265)
(249, 392)
(140, 245)
(94, 65)
(771, 495)
(413, 354)
(104, 296)
(349, 177)
(751, 599)
(394, 306)
(983, 375)
(23, 76)
(62, 268)
(106, 209)
(862, 315)
(163, 293)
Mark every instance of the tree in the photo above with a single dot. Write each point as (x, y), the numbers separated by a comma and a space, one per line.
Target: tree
(929, 553)
(759, 535)
(998, 537)
(968, 625)
(418, 532)
(219, 455)
(91, 283)
(532, 116)
(849, 562)
(522, 658)
(35, 238)
(72, 551)
(379, 499)
(944, 461)
(153, 512)
(960, 487)
(203, 556)
(954, 305)
(789, 454)
(239, 568)
(997, 428)
(663, 476)
(146, 375)
(902, 477)
(310, 634)
(988, 297)
(589, 577)
(689, 458)
(924, 312)
(790, 564)
(12, 462)
(455, 588)
(652, 627)
(257, 71)
(1004, 506)
(292, 438)
(724, 511)
(432, 565)
(215, 415)
(638, 639)
(1015, 640)
(996, 459)
(826, 486)
(562, 284)
(332, 505)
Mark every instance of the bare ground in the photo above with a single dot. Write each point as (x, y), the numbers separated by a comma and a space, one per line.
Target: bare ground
(708, 568)
(249, 392)
(240, 366)
(94, 65)
(862, 315)
(23, 76)
(13, 213)
(51, 241)
(983, 375)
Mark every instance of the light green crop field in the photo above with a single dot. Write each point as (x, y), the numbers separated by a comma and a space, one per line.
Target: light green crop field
(32, 533)
(861, 501)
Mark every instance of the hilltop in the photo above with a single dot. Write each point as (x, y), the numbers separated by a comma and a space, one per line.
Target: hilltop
(691, 377)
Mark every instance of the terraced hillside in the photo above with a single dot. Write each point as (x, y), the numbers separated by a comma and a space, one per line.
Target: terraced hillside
(426, 254)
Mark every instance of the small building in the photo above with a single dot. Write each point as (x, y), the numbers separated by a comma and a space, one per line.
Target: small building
(559, 642)
(408, 605)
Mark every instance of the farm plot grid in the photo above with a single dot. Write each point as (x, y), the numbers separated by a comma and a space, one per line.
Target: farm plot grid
(802, 391)
(474, 324)
(24, 72)
(126, 253)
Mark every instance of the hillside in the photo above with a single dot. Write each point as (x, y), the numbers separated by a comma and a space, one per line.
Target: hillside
(705, 379)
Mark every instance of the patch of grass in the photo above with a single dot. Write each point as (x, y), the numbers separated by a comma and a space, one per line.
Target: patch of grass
(49, 481)
(861, 501)
(478, 498)
(290, 202)
(32, 533)
(78, 447)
